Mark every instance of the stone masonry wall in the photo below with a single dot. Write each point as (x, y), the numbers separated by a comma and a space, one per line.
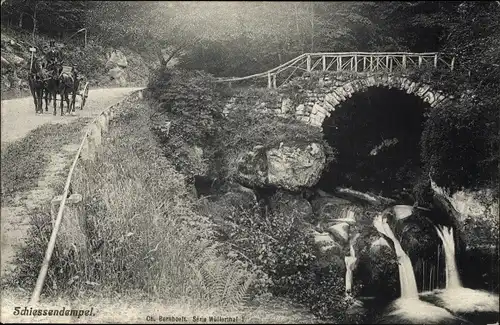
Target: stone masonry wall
(313, 97)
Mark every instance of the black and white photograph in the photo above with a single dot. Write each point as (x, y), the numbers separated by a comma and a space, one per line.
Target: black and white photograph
(250, 162)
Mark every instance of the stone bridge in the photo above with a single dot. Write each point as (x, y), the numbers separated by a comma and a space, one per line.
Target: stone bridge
(312, 85)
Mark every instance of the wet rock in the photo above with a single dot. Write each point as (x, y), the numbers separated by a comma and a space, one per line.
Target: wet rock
(340, 231)
(378, 244)
(323, 239)
(328, 208)
(402, 211)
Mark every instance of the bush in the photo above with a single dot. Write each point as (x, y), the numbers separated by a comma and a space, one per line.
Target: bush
(460, 146)
(279, 249)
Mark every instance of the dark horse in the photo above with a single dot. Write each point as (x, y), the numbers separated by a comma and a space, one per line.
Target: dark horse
(68, 85)
(51, 85)
(64, 81)
(36, 80)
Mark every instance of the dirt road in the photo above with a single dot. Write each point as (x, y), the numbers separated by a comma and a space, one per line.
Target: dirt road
(18, 115)
(18, 119)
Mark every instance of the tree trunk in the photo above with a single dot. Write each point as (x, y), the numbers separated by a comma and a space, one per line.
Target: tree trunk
(312, 27)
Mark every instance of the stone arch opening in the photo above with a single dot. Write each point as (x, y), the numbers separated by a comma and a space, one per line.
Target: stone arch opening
(376, 133)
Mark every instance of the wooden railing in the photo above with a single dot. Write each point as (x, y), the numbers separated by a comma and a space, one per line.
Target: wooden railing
(87, 150)
(354, 62)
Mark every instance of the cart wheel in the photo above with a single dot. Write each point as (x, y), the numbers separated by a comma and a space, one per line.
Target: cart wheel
(85, 94)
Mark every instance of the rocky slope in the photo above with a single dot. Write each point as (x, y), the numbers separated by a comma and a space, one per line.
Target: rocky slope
(102, 66)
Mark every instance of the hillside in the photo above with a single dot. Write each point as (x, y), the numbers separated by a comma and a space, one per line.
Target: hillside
(103, 66)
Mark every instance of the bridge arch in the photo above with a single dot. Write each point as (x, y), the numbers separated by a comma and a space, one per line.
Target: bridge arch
(332, 99)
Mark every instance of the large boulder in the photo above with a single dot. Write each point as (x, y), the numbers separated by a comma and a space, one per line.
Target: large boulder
(118, 75)
(294, 167)
(291, 167)
(116, 59)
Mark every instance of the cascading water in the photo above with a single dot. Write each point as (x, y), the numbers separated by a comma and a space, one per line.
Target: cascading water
(407, 279)
(455, 297)
(350, 262)
(452, 278)
(409, 309)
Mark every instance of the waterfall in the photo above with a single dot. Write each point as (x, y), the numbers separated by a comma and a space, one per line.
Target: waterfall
(452, 278)
(350, 262)
(407, 279)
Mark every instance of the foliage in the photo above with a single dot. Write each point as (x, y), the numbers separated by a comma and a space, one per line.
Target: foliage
(277, 247)
(188, 102)
(49, 17)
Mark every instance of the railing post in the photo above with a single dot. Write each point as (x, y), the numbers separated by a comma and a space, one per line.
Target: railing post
(72, 229)
(339, 63)
(324, 62)
(404, 61)
(355, 63)
(371, 63)
(352, 63)
(309, 63)
(364, 63)
(435, 60)
(387, 62)
(274, 81)
(452, 63)
(269, 80)
(390, 64)
(419, 61)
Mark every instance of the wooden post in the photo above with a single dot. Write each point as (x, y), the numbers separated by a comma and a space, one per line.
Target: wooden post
(103, 122)
(387, 62)
(269, 83)
(274, 81)
(419, 61)
(339, 63)
(88, 152)
(371, 63)
(452, 63)
(355, 63)
(94, 138)
(364, 63)
(308, 63)
(390, 64)
(404, 61)
(324, 62)
(435, 61)
(352, 64)
(72, 231)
